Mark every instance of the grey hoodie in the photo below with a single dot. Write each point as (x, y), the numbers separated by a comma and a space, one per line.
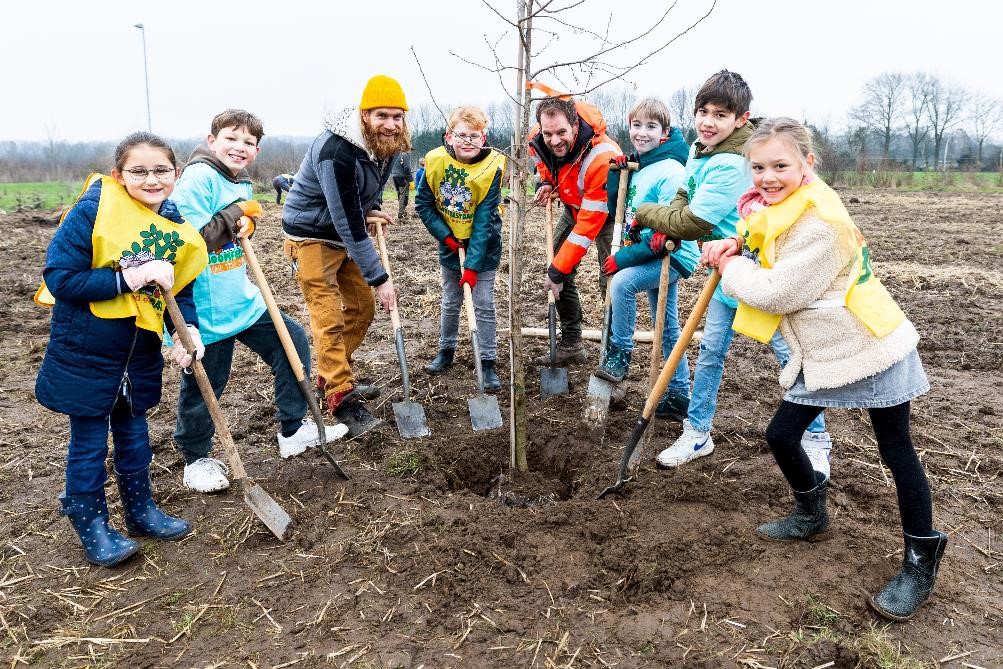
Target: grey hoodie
(337, 184)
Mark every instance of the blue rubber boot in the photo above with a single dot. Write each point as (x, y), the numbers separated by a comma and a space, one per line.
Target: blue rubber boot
(142, 516)
(88, 513)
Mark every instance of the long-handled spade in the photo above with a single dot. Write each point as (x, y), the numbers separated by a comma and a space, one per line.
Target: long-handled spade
(484, 411)
(598, 394)
(553, 379)
(410, 415)
(291, 354)
(260, 502)
(668, 369)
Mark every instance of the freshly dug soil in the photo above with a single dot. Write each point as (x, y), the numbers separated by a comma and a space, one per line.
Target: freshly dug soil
(436, 554)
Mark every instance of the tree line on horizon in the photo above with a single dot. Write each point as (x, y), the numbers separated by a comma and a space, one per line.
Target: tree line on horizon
(901, 121)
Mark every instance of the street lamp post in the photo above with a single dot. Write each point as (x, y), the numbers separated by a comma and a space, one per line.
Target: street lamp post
(146, 77)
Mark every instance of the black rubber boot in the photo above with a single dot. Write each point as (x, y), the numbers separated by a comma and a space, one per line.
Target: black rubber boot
(443, 360)
(810, 519)
(88, 513)
(356, 416)
(142, 515)
(492, 383)
(913, 585)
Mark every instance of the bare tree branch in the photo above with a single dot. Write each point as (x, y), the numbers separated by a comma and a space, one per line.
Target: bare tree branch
(618, 45)
(427, 85)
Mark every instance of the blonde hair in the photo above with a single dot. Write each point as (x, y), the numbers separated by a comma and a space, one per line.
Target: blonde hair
(652, 108)
(472, 116)
(797, 136)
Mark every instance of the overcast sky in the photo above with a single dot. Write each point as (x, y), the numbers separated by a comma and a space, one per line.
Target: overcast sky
(74, 70)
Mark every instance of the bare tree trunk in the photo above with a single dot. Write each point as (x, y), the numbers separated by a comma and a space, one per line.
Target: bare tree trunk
(517, 411)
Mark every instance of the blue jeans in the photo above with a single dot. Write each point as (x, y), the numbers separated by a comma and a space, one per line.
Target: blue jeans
(625, 285)
(714, 345)
(484, 312)
(88, 448)
(194, 429)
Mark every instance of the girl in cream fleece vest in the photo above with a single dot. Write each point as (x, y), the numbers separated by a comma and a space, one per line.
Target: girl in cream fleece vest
(800, 264)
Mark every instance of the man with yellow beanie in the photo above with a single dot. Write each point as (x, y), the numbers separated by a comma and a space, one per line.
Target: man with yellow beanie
(339, 183)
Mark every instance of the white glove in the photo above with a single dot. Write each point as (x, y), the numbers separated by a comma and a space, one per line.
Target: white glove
(160, 272)
(183, 357)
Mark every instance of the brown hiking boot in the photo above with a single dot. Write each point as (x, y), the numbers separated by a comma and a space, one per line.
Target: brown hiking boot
(571, 354)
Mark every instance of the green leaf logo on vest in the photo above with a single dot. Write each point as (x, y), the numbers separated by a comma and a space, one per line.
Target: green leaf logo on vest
(162, 246)
(868, 270)
(453, 189)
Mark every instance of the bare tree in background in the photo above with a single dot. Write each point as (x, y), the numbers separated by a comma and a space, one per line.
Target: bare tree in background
(602, 59)
(985, 115)
(918, 97)
(615, 103)
(881, 107)
(681, 104)
(944, 110)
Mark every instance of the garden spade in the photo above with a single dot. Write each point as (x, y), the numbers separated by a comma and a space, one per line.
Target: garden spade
(410, 415)
(291, 354)
(484, 411)
(553, 379)
(263, 506)
(668, 369)
(598, 394)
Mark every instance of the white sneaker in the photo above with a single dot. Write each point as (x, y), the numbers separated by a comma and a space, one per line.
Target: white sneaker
(307, 437)
(818, 446)
(207, 475)
(690, 445)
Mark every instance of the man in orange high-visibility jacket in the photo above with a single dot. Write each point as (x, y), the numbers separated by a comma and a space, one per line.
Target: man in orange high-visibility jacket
(572, 154)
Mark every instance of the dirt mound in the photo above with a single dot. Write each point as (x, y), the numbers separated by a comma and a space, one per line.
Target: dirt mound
(436, 554)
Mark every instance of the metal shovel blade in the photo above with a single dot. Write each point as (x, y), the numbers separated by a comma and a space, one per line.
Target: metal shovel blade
(411, 421)
(625, 460)
(553, 381)
(267, 510)
(597, 400)
(484, 412)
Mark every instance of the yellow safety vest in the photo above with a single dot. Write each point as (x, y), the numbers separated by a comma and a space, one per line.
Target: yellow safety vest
(123, 228)
(865, 297)
(459, 187)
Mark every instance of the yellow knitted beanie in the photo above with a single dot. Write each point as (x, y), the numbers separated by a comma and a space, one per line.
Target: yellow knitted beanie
(383, 91)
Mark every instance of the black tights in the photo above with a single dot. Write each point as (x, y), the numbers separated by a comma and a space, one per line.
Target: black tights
(891, 428)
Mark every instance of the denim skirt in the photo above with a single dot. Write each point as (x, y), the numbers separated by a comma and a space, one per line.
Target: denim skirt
(903, 381)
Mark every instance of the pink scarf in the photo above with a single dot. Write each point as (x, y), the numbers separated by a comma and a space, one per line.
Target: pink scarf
(752, 201)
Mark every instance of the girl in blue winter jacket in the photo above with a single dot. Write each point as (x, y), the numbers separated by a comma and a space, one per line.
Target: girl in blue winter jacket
(119, 246)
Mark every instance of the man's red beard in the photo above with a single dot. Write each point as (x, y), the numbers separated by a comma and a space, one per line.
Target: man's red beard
(383, 146)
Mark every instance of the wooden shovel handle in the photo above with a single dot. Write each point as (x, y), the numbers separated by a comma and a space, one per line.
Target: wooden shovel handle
(659, 322)
(468, 296)
(292, 355)
(669, 368)
(232, 456)
(381, 242)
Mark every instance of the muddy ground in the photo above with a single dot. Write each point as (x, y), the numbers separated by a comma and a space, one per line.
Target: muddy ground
(413, 563)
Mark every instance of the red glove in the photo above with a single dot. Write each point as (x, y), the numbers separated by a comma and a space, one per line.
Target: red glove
(609, 266)
(469, 277)
(453, 244)
(620, 162)
(657, 243)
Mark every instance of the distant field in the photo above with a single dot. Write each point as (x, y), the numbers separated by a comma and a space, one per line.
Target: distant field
(38, 195)
(53, 194)
(988, 182)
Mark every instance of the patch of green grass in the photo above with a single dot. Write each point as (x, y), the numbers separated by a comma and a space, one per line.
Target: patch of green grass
(185, 621)
(879, 651)
(405, 463)
(819, 614)
(38, 194)
(985, 182)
